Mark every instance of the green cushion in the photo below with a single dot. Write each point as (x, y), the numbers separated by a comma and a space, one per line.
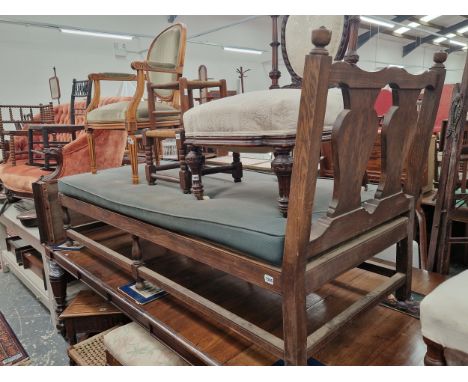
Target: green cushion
(242, 216)
(115, 112)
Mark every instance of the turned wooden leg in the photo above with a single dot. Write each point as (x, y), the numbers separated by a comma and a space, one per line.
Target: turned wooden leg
(133, 154)
(92, 151)
(194, 160)
(237, 167)
(150, 168)
(67, 224)
(58, 284)
(12, 150)
(404, 264)
(137, 257)
(435, 354)
(185, 177)
(282, 166)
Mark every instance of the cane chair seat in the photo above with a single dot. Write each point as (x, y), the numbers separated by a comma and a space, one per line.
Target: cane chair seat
(115, 113)
(259, 113)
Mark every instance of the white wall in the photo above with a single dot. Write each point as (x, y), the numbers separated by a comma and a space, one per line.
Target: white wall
(29, 53)
(379, 52)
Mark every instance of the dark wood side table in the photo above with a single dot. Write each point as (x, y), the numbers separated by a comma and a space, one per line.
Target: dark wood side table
(89, 314)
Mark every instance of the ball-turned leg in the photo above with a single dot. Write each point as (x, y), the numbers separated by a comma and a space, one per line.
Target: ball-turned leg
(237, 167)
(150, 168)
(282, 167)
(194, 160)
(133, 154)
(185, 177)
(58, 284)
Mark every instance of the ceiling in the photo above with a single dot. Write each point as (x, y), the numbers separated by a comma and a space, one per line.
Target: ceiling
(421, 31)
(255, 31)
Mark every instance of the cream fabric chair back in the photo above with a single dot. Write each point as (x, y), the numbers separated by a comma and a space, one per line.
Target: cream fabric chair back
(296, 35)
(167, 51)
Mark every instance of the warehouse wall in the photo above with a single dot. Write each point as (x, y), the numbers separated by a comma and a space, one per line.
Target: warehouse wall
(29, 53)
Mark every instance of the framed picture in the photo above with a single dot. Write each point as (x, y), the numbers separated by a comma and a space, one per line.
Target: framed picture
(54, 86)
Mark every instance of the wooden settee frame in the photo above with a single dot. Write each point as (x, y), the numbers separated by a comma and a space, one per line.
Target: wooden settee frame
(350, 233)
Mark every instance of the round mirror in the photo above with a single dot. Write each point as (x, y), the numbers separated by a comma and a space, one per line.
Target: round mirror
(296, 39)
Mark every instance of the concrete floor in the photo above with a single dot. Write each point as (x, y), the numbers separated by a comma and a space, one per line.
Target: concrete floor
(31, 322)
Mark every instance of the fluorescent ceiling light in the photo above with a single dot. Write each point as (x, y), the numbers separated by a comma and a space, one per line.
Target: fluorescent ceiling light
(96, 34)
(377, 22)
(450, 35)
(428, 18)
(242, 50)
(457, 43)
(440, 39)
(402, 30)
(463, 30)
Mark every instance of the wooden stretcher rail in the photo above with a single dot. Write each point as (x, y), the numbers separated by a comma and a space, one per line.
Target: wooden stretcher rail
(203, 251)
(325, 333)
(354, 252)
(192, 300)
(163, 333)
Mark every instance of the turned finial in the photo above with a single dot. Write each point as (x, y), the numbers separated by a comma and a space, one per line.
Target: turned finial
(439, 58)
(320, 38)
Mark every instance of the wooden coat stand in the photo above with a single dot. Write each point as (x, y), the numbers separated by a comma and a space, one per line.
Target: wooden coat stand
(446, 210)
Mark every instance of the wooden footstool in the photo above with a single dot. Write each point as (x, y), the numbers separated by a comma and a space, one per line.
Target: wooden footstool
(131, 345)
(89, 314)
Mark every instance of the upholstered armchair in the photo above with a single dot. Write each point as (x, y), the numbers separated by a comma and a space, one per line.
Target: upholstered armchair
(72, 158)
(266, 121)
(164, 64)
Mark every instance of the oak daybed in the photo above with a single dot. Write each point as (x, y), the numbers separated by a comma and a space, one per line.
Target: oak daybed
(240, 232)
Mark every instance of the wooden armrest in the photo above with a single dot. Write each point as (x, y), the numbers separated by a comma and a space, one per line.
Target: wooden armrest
(200, 84)
(154, 66)
(58, 128)
(112, 77)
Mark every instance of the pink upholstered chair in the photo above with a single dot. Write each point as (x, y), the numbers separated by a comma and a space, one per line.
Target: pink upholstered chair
(73, 158)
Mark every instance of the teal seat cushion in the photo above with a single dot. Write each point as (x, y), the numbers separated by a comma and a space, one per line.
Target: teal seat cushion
(242, 216)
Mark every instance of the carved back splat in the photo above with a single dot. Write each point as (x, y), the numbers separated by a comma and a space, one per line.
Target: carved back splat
(405, 143)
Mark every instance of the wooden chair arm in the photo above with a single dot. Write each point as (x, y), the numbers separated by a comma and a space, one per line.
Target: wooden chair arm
(155, 67)
(132, 108)
(186, 88)
(112, 77)
(200, 84)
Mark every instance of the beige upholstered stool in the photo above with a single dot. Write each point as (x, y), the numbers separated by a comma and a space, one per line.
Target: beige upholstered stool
(131, 345)
(444, 322)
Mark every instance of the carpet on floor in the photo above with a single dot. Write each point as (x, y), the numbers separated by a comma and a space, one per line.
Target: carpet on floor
(11, 350)
(409, 307)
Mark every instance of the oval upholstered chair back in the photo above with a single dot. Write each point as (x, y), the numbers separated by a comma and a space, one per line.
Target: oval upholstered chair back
(167, 51)
(296, 32)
